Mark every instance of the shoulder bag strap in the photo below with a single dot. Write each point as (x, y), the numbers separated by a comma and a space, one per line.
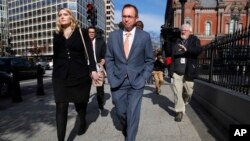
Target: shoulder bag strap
(83, 41)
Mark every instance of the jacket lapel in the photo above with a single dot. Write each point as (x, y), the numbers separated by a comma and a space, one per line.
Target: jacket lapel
(97, 49)
(120, 41)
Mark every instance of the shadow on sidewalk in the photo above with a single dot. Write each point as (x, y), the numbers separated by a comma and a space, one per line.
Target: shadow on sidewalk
(115, 119)
(23, 117)
(93, 113)
(161, 100)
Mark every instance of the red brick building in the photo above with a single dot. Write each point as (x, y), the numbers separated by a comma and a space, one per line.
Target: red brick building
(209, 18)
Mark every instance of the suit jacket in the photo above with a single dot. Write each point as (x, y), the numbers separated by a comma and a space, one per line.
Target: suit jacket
(139, 65)
(100, 49)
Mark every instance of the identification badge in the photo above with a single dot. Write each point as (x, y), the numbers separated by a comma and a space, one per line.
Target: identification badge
(183, 60)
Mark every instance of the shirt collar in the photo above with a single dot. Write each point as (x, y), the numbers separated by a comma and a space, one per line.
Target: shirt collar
(132, 32)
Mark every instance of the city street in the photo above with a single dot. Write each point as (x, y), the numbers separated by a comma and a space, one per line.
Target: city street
(34, 118)
(203, 45)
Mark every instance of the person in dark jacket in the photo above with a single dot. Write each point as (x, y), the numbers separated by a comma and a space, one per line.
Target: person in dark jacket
(71, 75)
(184, 54)
(158, 71)
(99, 48)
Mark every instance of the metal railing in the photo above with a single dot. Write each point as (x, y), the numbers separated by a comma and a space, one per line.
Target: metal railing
(226, 61)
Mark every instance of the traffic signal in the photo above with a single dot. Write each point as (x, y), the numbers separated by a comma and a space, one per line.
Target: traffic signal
(90, 14)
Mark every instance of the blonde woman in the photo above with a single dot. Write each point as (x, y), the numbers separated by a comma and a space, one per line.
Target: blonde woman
(71, 73)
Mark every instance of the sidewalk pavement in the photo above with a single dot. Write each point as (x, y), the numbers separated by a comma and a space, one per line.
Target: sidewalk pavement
(34, 120)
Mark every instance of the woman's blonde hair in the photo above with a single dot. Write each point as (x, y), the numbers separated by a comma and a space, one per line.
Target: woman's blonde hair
(74, 22)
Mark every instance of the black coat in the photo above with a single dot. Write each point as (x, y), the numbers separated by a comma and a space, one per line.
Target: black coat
(159, 66)
(100, 49)
(70, 55)
(194, 49)
(71, 72)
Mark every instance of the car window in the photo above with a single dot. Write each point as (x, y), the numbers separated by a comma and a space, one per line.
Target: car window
(16, 62)
(26, 63)
(2, 62)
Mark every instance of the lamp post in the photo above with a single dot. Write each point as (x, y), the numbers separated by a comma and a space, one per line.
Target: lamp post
(182, 10)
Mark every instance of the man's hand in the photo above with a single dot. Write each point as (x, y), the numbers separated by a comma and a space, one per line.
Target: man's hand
(161, 60)
(182, 48)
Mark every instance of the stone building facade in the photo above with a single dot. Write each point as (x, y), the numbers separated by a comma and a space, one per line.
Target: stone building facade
(209, 18)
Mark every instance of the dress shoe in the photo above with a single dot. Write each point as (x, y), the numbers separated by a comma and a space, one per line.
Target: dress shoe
(124, 132)
(186, 99)
(82, 128)
(178, 117)
(157, 91)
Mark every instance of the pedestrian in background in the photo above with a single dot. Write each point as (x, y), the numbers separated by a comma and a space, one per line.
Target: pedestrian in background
(158, 71)
(120, 25)
(99, 48)
(71, 72)
(184, 66)
(129, 63)
(140, 25)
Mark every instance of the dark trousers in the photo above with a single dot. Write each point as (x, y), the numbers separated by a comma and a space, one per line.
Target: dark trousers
(100, 95)
(61, 116)
(127, 103)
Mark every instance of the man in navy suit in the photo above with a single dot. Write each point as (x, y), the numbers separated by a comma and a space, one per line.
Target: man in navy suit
(129, 63)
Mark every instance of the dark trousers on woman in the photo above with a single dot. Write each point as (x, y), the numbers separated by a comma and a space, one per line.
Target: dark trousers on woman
(62, 114)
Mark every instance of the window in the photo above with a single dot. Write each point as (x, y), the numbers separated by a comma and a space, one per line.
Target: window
(44, 19)
(188, 20)
(231, 26)
(208, 29)
(239, 26)
(49, 18)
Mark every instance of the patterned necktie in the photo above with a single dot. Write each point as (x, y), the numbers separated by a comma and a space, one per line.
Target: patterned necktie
(126, 44)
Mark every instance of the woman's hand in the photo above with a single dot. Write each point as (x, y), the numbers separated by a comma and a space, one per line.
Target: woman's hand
(94, 75)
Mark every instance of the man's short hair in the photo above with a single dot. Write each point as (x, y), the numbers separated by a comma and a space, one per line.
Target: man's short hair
(92, 27)
(133, 6)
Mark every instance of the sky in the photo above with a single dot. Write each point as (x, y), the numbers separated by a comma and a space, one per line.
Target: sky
(151, 12)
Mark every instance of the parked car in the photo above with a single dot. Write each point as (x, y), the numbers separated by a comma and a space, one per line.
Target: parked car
(5, 83)
(23, 66)
(44, 63)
